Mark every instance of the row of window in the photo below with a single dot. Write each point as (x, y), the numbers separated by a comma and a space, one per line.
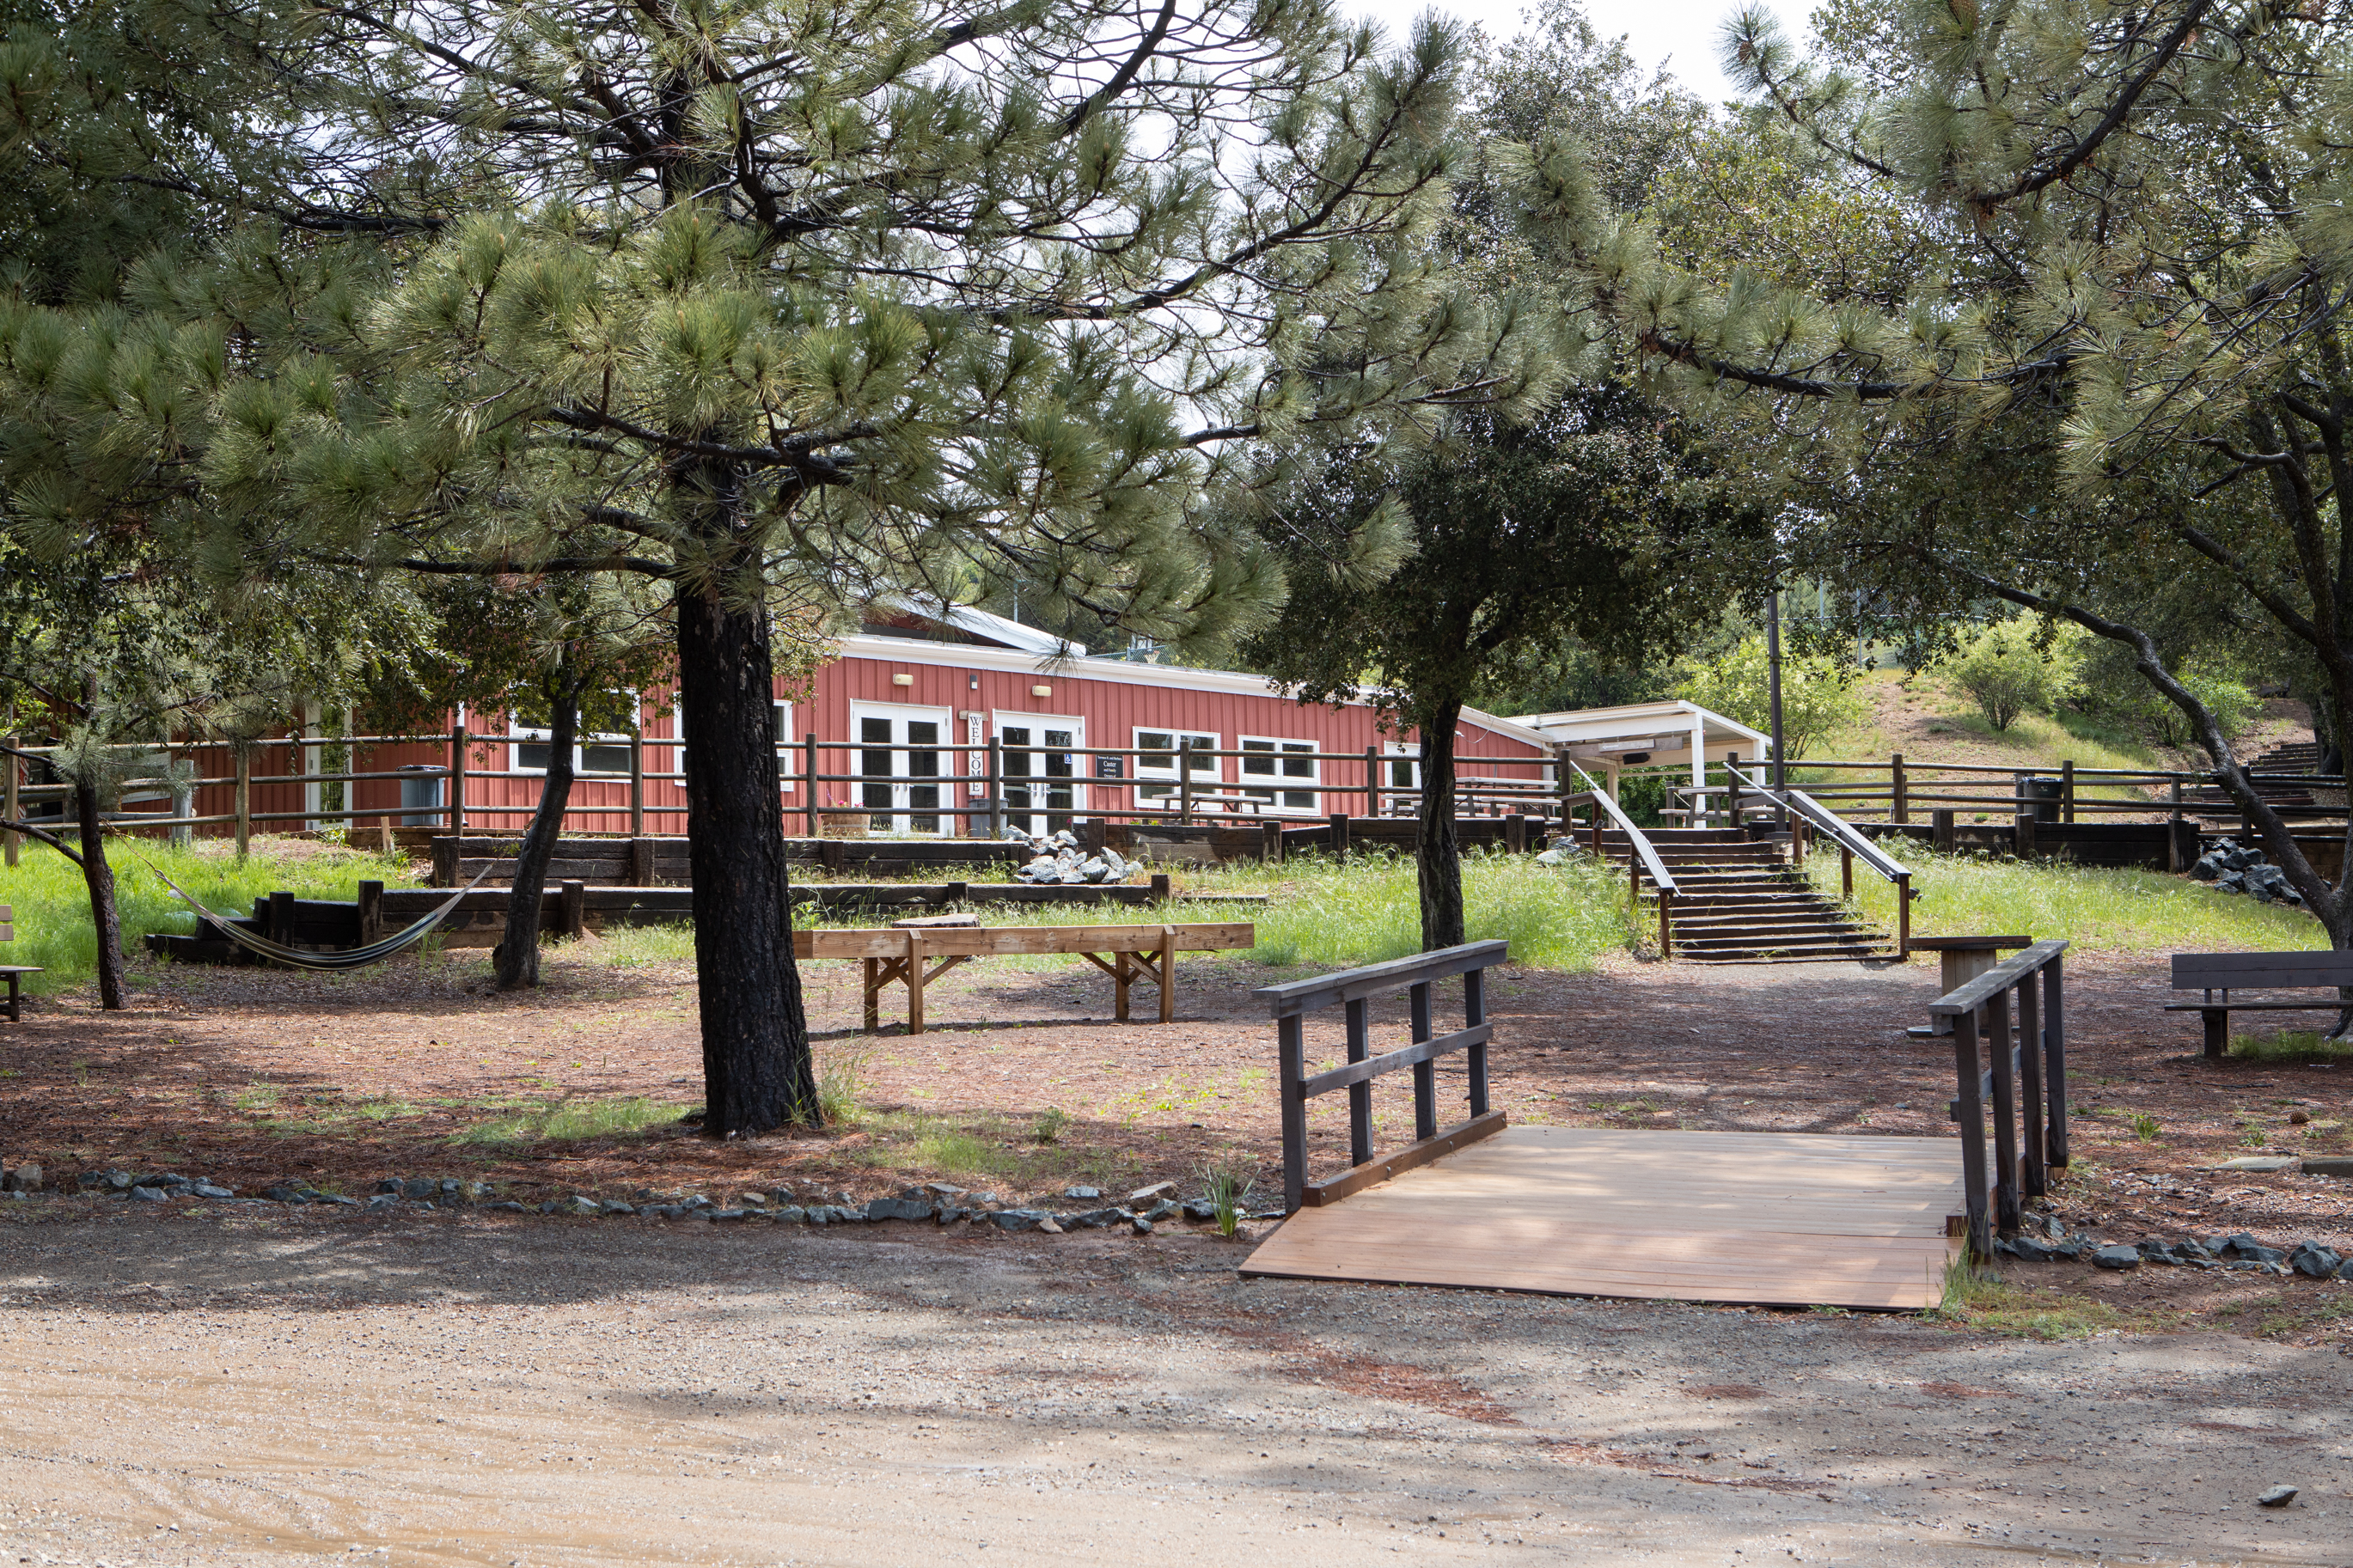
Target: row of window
(905, 762)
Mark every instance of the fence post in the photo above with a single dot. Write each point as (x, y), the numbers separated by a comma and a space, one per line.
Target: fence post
(809, 780)
(2067, 790)
(1290, 1070)
(996, 786)
(2173, 826)
(572, 902)
(1474, 1013)
(2022, 843)
(1183, 788)
(1271, 840)
(1732, 790)
(2054, 1060)
(371, 908)
(2034, 1180)
(638, 779)
(2005, 1114)
(8, 798)
(1941, 833)
(1360, 1095)
(1372, 781)
(1425, 1073)
(1339, 820)
(1904, 916)
(457, 778)
(1516, 833)
(1846, 874)
(1666, 922)
(1968, 1109)
(1897, 802)
(244, 797)
(183, 805)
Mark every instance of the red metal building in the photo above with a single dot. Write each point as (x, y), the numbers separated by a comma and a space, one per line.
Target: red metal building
(906, 715)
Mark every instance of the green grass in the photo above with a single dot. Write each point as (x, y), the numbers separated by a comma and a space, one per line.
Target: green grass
(2291, 1046)
(569, 1120)
(52, 901)
(1319, 911)
(2096, 908)
(1323, 913)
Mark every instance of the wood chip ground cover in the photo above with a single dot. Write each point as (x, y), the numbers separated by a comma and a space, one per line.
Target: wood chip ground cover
(419, 1068)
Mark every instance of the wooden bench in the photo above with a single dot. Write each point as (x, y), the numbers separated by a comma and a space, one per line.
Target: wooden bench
(8, 934)
(2229, 971)
(1134, 952)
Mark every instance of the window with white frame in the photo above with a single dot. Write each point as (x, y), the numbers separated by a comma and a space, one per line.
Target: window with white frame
(1280, 774)
(780, 722)
(1158, 754)
(596, 752)
(1400, 770)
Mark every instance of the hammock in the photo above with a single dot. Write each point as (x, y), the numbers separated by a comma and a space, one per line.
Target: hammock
(351, 958)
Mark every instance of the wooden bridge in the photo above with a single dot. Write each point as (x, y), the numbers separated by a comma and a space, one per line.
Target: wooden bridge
(1782, 1219)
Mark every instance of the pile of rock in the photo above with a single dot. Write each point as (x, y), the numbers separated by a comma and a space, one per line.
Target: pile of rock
(157, 1186)
(2235, 871)
(1059, 861)
(2240, 1254)
(940, 1203)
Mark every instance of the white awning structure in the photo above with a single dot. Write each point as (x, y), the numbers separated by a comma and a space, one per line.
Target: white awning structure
(1649, 734)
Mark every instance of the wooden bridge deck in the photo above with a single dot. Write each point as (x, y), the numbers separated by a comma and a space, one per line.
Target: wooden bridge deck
(1785, 1219)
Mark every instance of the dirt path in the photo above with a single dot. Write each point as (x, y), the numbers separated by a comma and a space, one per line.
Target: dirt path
(262, 1386)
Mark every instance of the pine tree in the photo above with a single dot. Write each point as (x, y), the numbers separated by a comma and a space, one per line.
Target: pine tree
(2122, 365)
(783, 307)
(1585, 514)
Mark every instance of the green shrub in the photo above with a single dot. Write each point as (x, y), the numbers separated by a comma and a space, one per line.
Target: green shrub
(1818, 693)
(2015, 667)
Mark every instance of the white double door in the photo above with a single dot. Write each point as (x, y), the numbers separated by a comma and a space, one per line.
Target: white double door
(1043, 778)
(903, 766)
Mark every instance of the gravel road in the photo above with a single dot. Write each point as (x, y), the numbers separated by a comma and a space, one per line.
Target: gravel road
(261, 1387)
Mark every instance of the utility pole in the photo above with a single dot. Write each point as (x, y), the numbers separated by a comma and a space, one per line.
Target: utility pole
(1773, 672)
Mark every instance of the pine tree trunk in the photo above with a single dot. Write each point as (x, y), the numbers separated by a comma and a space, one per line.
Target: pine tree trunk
(517, 958)
(756, 1066)
(1441, 858)
(103, 915)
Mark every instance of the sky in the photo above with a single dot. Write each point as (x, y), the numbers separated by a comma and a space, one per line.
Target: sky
(1678, 34)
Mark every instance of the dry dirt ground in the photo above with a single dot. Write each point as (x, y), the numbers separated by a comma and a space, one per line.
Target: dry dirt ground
(274, 1386)
(289, 1385)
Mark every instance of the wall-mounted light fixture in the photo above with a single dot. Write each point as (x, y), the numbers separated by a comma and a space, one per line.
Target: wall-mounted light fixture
(972, 683)
(1042, 691)
(902, 681)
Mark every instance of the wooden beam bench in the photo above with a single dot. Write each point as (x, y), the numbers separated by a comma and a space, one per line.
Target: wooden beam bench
(2229, 971)
(1126, 953)
(13, 970)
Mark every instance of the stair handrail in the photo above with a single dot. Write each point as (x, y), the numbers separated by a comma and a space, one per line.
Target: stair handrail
(1660, 876)
(1842, 833)
(1644, 858)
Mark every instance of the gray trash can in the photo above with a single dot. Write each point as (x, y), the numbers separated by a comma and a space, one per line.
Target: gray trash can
(420, 791)
(2039, 794)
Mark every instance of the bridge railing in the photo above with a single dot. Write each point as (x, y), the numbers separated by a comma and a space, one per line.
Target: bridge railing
(2017, 1012)
(1353, 989)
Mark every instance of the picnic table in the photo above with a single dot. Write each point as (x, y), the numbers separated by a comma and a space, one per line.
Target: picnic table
(905, 954)
(13, 972)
